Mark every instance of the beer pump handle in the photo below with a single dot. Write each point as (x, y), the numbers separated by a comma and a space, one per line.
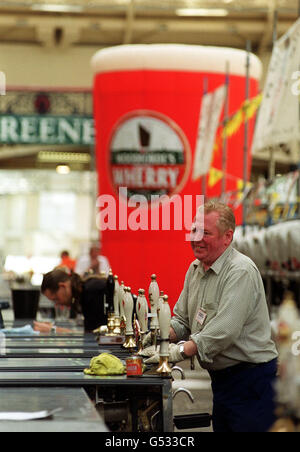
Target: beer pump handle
(154, 298)
(164, 324)
(164, 368)
(142, 311)
(146, 318)
(117, 297)
(128, 310)
(122, 299)
(160, 303)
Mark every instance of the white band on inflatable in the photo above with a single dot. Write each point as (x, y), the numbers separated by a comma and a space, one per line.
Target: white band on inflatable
(179, 57)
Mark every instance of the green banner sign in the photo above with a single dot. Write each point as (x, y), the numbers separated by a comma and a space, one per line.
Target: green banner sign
(46, 129)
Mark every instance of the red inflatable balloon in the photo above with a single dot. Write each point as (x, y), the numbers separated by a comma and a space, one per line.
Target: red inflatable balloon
(159, 111)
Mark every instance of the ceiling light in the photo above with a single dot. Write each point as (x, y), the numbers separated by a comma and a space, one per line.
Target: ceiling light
(201, 12)
(70, 157)
(52, 8)
(63, 169)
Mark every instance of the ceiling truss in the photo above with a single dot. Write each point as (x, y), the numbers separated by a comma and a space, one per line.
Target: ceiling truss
(102, 23)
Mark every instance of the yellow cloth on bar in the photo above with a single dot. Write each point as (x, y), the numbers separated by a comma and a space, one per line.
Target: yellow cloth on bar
(105, 364)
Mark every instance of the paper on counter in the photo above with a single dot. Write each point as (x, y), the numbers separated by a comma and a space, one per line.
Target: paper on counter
(22, 416)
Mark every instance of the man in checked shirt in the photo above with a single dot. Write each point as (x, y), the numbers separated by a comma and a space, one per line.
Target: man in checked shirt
(222, 316)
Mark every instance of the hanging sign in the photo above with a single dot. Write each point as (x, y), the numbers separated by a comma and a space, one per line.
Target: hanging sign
(46, 129)
(278, 120)
(212, 105)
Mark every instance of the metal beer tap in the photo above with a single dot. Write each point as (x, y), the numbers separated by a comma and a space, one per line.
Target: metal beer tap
(128, 310)
(117, 320)
(164, 323)
(153, 298)
(142, 314)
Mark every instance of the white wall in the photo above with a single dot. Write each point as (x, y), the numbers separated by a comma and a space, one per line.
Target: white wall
(38, 66)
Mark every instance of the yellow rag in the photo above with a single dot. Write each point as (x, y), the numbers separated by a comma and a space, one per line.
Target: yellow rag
(105, 364)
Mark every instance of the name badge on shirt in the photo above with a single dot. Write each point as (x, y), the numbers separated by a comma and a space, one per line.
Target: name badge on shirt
(201, 316)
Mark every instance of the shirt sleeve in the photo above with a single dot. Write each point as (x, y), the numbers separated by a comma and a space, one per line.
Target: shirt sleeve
(236, 303)
(82, 265)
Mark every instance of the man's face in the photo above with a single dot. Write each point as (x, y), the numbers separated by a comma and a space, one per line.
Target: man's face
(208, 243)
(95, 252)
(63, 296)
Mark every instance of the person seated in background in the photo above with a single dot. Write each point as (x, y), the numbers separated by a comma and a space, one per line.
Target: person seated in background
(93, 263)
(66, 261)
(85, 296)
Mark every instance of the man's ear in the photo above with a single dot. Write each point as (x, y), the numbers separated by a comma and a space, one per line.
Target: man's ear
(229, 236)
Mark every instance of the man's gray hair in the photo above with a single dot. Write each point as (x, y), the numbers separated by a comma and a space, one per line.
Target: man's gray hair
(226, 220)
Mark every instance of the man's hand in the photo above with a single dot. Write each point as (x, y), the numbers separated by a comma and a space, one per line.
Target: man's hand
(147, 340)
(173, 337)
(42, 327)
(46, 327)
(174, 354)
(148, 351)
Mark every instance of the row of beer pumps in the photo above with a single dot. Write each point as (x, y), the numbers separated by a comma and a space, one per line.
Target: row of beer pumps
(122, 322)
